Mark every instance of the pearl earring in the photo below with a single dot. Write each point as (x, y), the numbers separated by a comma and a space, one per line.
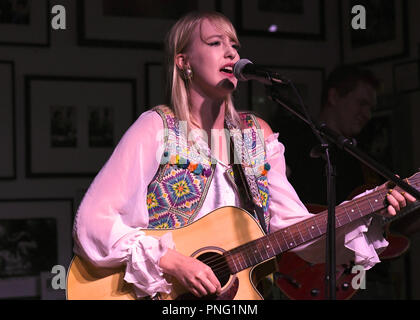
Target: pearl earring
(188, 74)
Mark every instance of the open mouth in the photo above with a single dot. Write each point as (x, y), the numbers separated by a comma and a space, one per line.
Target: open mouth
(227, 69)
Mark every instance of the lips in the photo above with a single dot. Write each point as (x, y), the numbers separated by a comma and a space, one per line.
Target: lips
(227, 68)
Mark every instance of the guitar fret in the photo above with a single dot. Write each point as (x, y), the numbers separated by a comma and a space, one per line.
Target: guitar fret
(376, 203)
(343, 217)
(347, 213)
(279, 244)
(240, 264)
(324, 224)
(370, 205)
(249, 258)
(320, 232)
(358, 208)
(352, 214)
(257, 254)
(233, 258)
(231, 262)
(284, 238)
(337, 219)
(297, 227)
(305, 232)
(292, 243)
(265, 249)
(259, 251)
(270, 245)
(309, 230)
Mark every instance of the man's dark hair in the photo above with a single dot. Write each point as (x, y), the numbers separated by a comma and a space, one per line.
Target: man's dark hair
(345, 79)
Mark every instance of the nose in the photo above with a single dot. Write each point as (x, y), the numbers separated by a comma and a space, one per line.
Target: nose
(230, 52)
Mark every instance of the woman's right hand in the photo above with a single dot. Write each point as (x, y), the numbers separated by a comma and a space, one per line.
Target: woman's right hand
(193, 274)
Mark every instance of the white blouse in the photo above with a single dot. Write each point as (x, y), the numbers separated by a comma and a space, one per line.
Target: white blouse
(109, 222)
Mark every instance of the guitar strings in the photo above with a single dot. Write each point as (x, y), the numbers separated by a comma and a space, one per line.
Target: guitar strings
(220, 259)
(220, 263)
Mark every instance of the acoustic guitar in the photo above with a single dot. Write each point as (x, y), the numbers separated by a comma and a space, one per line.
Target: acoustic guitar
(301, 280)
(230, 241)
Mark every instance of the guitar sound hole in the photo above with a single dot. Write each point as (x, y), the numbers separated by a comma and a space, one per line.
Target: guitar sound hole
(218, 264)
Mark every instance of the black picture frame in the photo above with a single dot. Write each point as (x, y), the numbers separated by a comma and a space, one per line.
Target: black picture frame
(30, 29)
(42, 228)
(409, 104)
(99, 29)
(385, 37)
(290, 19)
(75, 118)
(406, 76)
(8, 120)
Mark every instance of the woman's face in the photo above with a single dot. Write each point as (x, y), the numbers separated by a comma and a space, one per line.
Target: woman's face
(211, 56)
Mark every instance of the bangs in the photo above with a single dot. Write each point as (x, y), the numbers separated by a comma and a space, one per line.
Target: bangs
(222, 24)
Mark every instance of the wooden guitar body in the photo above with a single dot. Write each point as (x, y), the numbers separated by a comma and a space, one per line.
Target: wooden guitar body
(221, 230)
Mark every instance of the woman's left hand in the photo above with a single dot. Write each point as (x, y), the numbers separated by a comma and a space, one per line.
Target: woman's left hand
(396, 201)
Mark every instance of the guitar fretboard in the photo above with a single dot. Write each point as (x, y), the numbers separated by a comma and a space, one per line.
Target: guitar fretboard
(262, 249)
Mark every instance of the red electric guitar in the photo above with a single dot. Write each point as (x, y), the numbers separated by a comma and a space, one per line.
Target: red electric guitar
(301, 280)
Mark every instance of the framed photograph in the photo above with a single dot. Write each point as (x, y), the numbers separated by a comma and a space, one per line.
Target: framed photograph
(132, 23)
(406, 76)
(385, 36)
(410, 103)
(75, 118)
(308, 82)
(35, 236)
(24, 22)
(294, 19)
(7, 121)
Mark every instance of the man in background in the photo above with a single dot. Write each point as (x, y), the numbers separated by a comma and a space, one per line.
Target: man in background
(348, 99)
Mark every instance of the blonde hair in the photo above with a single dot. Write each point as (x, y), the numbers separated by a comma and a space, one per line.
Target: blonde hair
(177, 41)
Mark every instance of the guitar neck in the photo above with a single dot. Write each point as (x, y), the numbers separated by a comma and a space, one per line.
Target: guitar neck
(264, 248)
(410, 208)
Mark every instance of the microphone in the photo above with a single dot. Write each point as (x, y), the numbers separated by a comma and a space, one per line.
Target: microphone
(245, 70)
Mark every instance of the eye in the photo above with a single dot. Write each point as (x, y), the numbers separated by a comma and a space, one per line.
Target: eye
(214, 43)
(236, 47)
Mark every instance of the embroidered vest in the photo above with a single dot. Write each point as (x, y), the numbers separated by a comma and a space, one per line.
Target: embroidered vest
(179, 188)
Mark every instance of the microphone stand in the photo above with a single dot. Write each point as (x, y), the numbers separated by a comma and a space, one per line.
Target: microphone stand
(326, 135)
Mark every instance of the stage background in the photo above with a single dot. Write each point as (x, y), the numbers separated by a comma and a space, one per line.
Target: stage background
(68, 96)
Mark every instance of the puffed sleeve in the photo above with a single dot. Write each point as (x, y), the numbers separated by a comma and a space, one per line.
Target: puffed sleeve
(360, 241)
(107, 229)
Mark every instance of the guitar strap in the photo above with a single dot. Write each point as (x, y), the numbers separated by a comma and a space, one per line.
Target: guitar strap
(243, 189)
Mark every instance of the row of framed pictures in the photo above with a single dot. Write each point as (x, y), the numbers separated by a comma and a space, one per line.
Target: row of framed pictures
(83, 118)
(110, 23)
(36, 235)
(66, 118)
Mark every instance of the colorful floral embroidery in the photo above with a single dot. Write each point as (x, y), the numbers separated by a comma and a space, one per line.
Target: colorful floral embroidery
(180, 187)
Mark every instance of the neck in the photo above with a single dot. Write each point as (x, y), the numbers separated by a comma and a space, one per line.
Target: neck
(208, 113)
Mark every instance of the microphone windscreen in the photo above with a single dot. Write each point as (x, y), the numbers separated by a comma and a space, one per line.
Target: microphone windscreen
(238, 67)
